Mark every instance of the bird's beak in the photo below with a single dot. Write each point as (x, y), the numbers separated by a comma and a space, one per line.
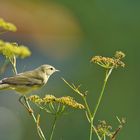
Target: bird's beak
(57, 70)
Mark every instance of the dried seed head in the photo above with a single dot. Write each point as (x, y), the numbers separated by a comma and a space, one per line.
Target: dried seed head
(119, 55)
(109, 63)
(104, 129)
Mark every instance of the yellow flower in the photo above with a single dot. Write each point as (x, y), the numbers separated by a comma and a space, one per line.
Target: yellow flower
(8, 50)
(49, 99)
(22, 51)
(7, 26)
(65, 101)
(35, 99)
(69, 101)
(12, 49)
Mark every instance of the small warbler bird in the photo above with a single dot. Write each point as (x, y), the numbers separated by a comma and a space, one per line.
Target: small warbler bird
(26, 82)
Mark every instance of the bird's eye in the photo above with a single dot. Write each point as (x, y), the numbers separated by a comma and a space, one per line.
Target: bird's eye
(51, 68)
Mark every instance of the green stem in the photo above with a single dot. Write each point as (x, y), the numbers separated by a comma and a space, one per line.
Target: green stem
(89, 115)
(90, 119)
(104, 137)
(87, 106)
(14, 70)
(88, 112)
(53, 127)
(91, 129)
(13, 62)
(108, 72)
(40, 133)
(99, 138)
(4, 66)
(99, 100)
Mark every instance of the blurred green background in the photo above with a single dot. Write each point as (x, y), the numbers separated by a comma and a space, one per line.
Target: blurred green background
(66, 34)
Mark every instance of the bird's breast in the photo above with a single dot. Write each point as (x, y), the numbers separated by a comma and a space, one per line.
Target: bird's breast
(45, 79)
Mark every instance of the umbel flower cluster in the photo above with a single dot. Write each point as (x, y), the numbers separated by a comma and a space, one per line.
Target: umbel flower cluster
(7, 26)
(104, 129)
(66, 101)
(110, 62)
(12, 49)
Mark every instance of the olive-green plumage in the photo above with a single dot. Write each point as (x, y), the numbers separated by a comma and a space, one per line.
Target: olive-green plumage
(28, 81)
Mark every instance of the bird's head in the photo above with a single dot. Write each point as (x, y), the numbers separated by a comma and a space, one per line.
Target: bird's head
(48, 69)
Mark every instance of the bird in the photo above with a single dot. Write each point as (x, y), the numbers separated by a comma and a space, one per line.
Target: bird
(26, 82)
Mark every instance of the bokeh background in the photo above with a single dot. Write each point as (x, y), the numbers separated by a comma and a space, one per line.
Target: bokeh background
(66, 34)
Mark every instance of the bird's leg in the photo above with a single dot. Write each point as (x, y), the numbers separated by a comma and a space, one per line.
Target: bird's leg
(23, 101)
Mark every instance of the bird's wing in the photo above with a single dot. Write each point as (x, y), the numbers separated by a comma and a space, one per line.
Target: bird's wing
(22, 80)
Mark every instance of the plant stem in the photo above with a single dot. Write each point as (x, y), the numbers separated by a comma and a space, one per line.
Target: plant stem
(53, 127)
(99, 100)
(88, 111)
(13, 62)
(90, 119)
(87, 106)
(40, 133)
(4, 66)
(91, 130)
(104, 137)
(14, 70)
(108, 72)
(89, 115)
(99, 138)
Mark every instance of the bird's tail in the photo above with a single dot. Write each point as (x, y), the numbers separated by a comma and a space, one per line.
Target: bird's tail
(3, 86)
